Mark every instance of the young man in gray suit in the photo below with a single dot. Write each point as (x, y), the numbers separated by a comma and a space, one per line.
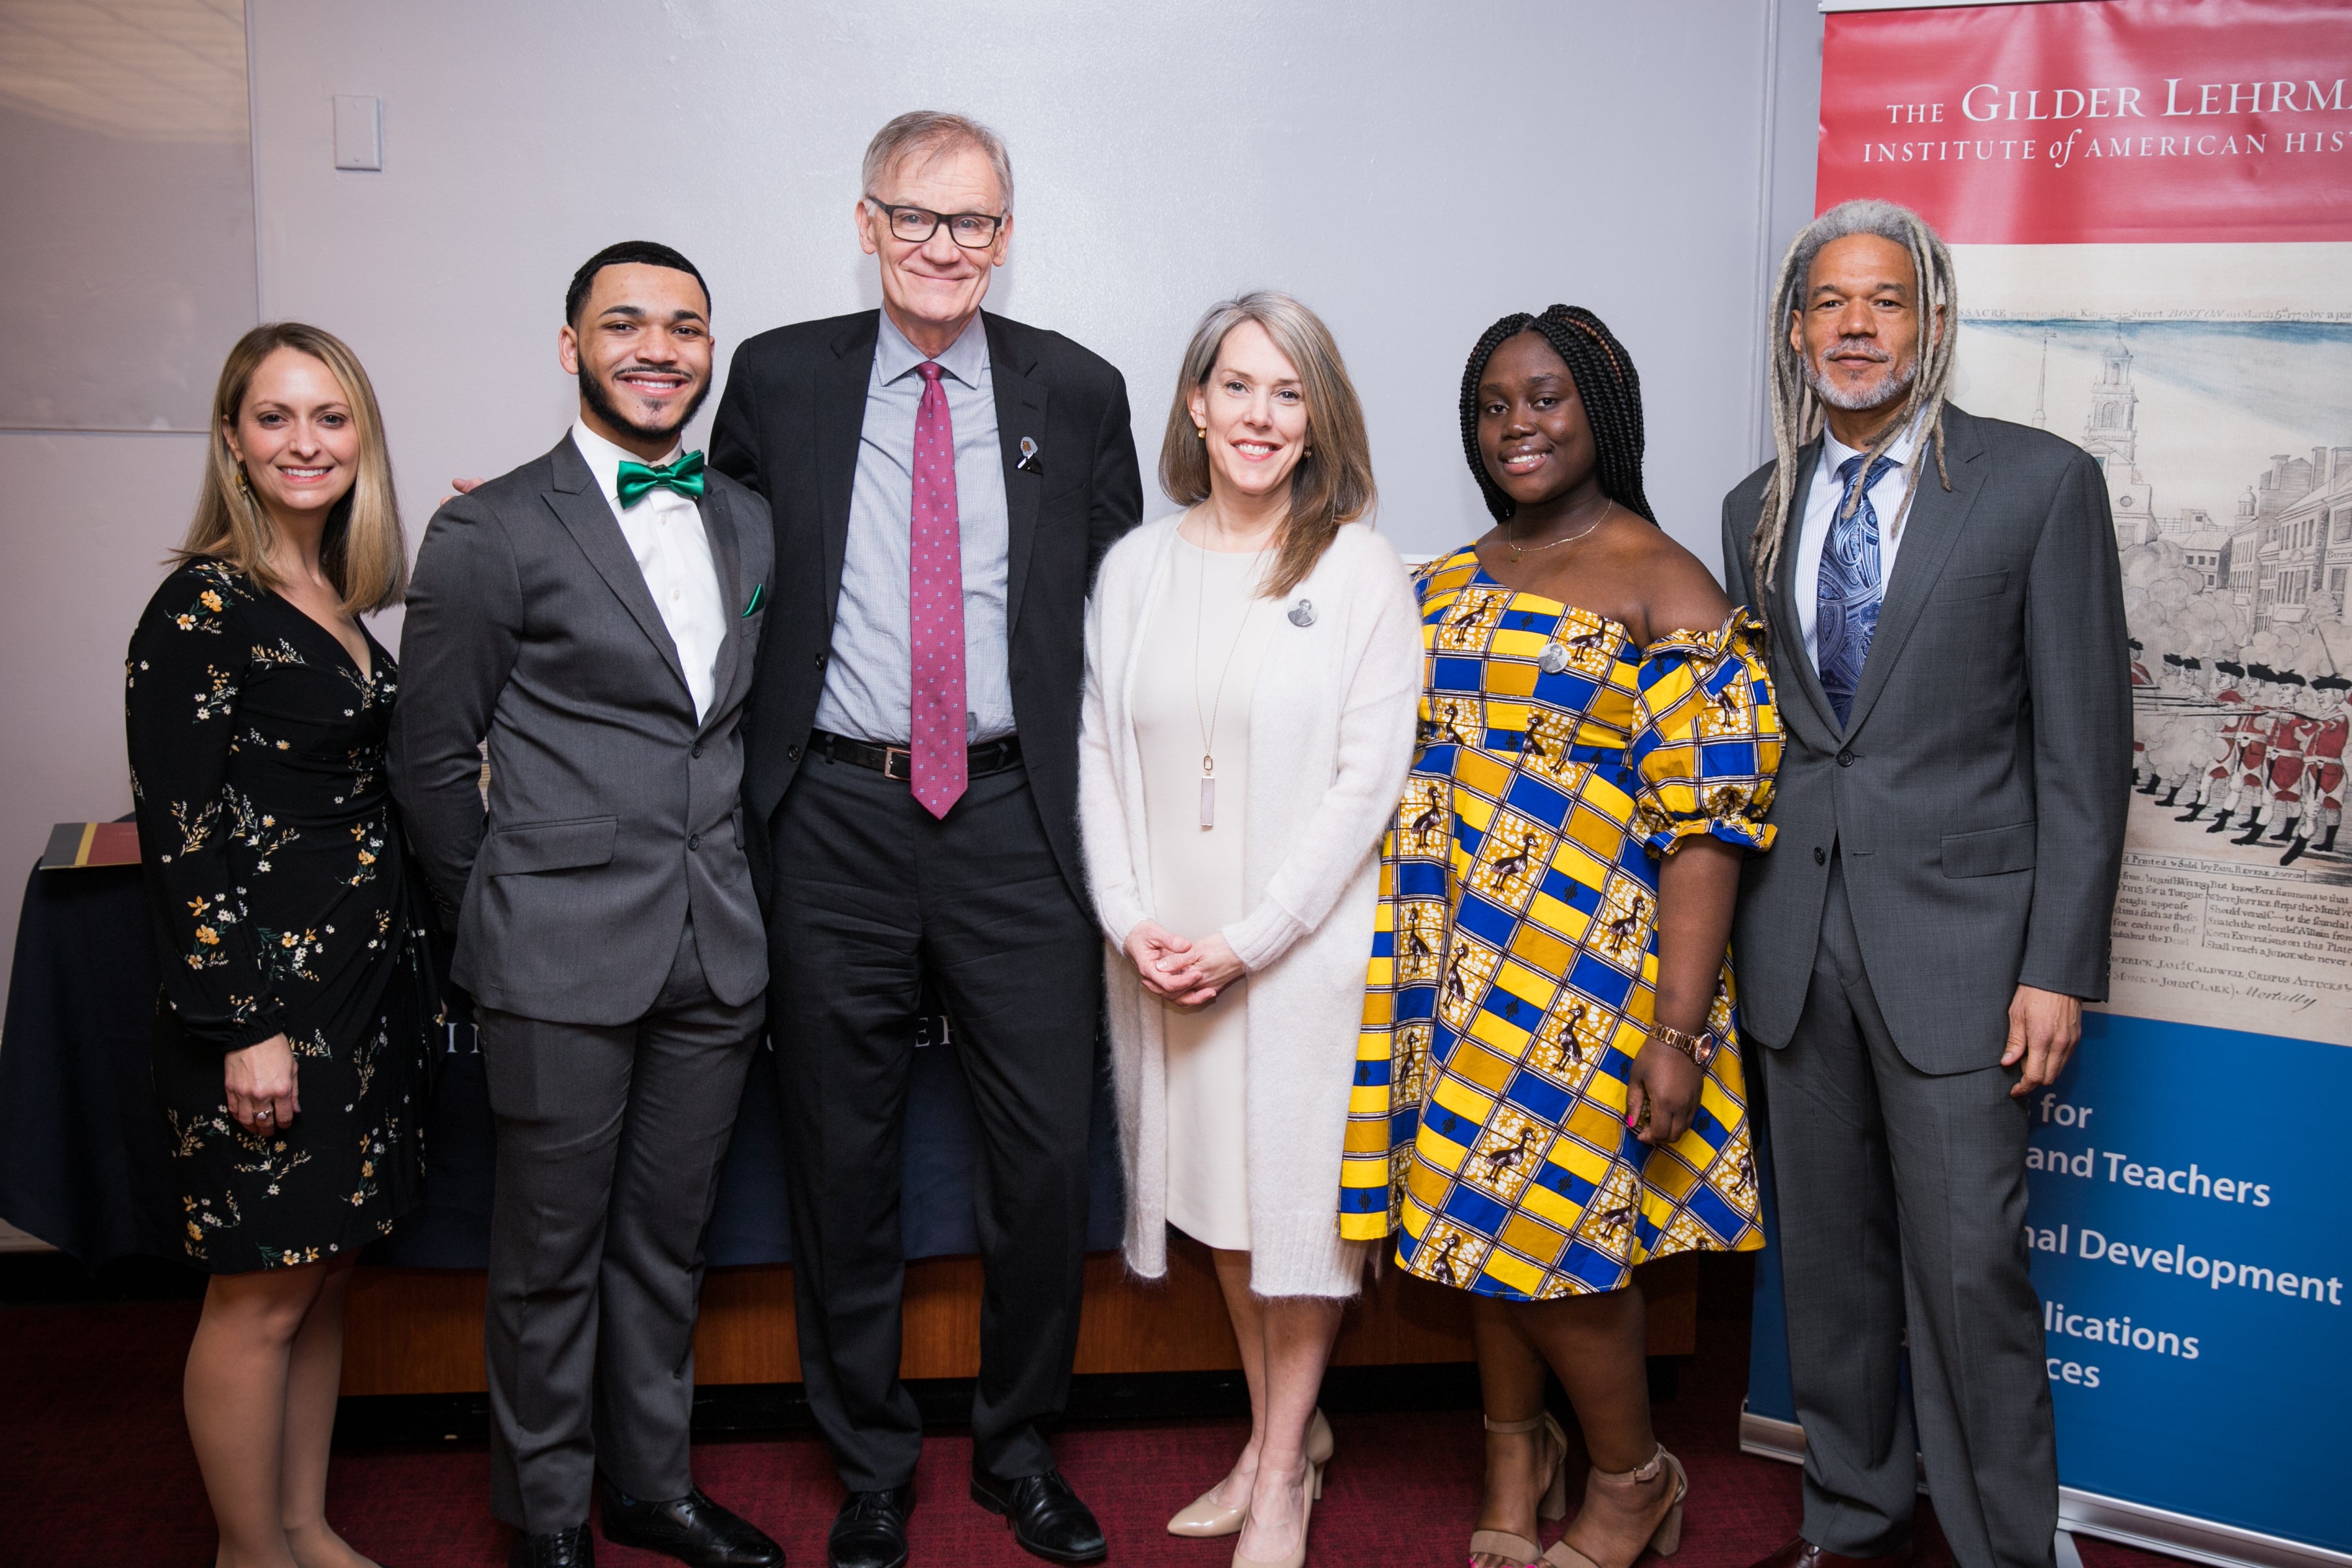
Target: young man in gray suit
(1947, 647)
(592, 617)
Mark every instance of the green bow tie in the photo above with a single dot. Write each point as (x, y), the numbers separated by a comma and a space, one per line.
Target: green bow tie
(685, 476)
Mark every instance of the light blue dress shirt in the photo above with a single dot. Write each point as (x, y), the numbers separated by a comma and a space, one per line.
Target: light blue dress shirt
(869, 678)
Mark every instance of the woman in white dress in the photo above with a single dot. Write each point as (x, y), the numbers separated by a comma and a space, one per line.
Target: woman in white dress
(1253, 668)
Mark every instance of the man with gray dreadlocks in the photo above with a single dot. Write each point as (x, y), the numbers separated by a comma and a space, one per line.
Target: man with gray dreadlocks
(1948, 636)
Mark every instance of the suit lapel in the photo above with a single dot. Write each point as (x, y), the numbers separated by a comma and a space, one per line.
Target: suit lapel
(726, 557)
(1934, 526)
(842, 386)
(1784, 593)
(1020, 411)
(588, 517)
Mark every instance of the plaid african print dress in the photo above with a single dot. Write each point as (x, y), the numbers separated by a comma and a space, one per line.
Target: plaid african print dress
(1515, 951)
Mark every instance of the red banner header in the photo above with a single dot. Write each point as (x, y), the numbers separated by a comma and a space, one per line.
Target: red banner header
(2088, 122)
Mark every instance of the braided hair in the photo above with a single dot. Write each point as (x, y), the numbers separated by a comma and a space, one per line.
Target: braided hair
(1606, 382)
(1797, 413)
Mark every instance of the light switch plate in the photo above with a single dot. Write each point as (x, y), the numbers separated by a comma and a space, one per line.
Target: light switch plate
(359, 132)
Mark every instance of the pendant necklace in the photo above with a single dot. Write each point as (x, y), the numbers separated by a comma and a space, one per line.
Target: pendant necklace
(1520, 552)
(1209, 724)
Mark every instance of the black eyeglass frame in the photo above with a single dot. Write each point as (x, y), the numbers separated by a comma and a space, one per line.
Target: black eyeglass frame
(890, 211)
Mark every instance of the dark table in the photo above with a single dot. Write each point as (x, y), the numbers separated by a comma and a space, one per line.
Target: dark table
(82, 1161)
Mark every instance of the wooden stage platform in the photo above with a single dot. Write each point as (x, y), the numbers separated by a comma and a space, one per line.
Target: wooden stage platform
(419, 1331)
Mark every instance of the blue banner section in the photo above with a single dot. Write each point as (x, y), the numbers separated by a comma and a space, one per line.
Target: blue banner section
(2192, 1253)
(2193, 1257)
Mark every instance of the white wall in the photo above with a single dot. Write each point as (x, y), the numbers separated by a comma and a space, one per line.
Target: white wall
(126, 208)
(85, 523)
(1411, 171)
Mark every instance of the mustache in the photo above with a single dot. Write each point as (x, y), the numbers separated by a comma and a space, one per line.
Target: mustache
(1853, 348)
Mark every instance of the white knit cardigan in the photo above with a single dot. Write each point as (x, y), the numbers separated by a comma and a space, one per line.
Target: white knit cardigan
(1330, 736)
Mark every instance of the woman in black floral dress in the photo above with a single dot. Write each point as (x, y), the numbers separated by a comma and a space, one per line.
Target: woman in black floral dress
(296, 1018)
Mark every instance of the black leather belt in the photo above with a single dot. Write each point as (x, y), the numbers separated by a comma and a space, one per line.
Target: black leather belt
(897, 762)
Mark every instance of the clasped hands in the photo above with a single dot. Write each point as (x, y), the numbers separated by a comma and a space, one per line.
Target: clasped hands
(1183, 972)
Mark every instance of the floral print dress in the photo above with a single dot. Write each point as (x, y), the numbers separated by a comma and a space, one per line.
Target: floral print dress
(282, 903)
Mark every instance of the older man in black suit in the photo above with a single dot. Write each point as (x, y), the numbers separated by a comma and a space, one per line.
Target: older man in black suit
(943, 484)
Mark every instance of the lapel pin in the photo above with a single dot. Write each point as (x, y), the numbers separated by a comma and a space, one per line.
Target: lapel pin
(1302, 614)
(1028, 463)
(758, 597)
(1553, 660)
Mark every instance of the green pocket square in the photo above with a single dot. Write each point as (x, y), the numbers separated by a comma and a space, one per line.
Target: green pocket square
(758, 597)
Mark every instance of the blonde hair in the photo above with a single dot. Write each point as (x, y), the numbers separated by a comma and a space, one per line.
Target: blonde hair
(364, 552)
(1797, 413)
(1332, 483)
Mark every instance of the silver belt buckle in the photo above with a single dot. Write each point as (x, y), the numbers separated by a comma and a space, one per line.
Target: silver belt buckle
(898, 762)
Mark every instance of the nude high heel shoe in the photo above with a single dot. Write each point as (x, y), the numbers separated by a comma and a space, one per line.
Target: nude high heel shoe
(1611, 1503)
(1296, 1557)
(1553, 1504)
(1206, 1517)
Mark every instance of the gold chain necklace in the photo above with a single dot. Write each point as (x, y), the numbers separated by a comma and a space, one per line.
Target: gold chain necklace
(1209, 724)
(1520, 552)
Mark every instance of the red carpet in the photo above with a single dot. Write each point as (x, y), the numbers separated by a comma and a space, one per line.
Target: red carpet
(98, 1471)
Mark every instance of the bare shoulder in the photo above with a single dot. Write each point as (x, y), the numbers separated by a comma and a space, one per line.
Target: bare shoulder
(1677, 592)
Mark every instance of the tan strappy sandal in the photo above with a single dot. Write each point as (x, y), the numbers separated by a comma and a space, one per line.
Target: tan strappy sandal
(1517, 1549)
(1610, 1503)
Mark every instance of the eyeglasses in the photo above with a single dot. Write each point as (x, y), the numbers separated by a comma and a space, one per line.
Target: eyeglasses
(973, 231)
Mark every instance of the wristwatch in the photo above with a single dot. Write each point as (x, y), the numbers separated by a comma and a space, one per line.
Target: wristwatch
(1699, 1047)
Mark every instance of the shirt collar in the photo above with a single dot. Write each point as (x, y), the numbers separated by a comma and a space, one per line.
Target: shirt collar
(966, 358)
(1834, 452)
(604, 459)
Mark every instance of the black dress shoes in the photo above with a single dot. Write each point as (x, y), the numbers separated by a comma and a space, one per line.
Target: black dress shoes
(556, 1549)
(691, 1529)
(1803, 1553)
(870, 1530)
(1047, 1518)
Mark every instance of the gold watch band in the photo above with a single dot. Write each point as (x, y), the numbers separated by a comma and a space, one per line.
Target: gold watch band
(1699, 1047)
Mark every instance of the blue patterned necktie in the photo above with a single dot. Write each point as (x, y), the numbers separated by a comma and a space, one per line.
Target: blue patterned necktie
(1850, 587)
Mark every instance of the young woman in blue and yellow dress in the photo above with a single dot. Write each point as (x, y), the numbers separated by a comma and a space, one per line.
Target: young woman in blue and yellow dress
(1549, 1090)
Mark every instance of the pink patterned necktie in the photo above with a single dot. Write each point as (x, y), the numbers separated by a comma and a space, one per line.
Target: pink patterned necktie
(939, 759)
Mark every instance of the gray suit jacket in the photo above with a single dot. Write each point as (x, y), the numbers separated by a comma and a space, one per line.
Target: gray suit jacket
(614, 815)
(1976, 792)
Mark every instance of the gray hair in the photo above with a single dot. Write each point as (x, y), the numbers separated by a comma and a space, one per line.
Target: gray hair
(1797, 414)
(929, 131)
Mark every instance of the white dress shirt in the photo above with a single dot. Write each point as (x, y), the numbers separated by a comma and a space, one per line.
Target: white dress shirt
(665, 534)
(1820, 506)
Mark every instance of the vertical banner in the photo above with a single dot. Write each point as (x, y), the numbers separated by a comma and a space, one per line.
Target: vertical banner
(2150, 207)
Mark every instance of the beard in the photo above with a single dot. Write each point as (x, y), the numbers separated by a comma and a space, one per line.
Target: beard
(600, 403)
(1890, 386)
